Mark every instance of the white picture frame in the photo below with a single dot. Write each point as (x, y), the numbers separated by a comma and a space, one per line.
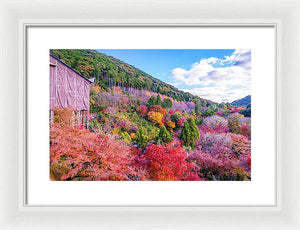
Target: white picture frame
(14, 20)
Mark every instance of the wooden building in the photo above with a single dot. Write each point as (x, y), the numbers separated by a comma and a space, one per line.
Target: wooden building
(69, 89)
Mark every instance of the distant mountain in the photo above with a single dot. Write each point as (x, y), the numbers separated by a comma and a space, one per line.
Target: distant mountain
(242, 102)
(109, 71)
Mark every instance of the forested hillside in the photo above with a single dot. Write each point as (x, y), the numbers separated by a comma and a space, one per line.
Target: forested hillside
(109, 71)
(142, 129)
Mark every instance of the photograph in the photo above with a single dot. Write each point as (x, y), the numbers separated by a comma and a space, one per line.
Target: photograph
(150, 114)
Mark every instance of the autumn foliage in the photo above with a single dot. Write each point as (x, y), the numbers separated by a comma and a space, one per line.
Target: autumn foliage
(167, 162)
(142, 110)
(133, 137)
(88, 156)
(155, 117)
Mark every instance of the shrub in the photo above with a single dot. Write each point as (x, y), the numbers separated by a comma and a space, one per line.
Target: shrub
(208, 113)
(167, 162)
(142, 110)
(149, 128)
(84, 155)
(171, 124)
(215, 121)
(94, 125)
(221, 167)
(219, 113)
(158, 108)
(226, 112)
(63, 116)
(155, 117)
(234, 126)
(240, 144)
(239, 124)
(214, 144)
(233, 123)
(246, 130)
(180, 122)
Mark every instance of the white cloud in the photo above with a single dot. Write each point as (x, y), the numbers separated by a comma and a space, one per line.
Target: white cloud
(216, 79)
(219, 94)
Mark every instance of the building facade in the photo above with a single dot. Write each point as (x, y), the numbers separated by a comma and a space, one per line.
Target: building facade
(69, 89)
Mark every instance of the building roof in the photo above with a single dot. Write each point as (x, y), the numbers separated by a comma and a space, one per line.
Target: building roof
(56, 58)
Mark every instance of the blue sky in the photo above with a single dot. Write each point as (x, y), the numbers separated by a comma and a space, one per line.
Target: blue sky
(216, 74)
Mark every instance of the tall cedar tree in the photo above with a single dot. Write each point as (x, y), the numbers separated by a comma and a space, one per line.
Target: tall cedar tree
(158, 100)
(151, 101)
(167, 103)
(194, 131)
(185, 134)
(164, 136)
(189, 133)
(141, 138)
(198, 107)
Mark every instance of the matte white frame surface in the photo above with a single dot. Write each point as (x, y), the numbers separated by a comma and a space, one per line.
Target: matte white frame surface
(15, 14)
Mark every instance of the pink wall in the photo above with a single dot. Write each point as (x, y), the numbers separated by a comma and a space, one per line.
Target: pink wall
(67, 88)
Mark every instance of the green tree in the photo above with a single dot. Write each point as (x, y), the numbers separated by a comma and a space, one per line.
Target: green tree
(175, 117)
(158, 100)
(151, 101)
(194, 129)
(197, 121)
(193, 113)
(197, 107)
(201, 121)
(126, 137)
(226, 112)
(213, 107)
(167, 103)
(141, 138)
(223, 105)
(164, 135)
(208, 113)
(185, 134)
(189, 133)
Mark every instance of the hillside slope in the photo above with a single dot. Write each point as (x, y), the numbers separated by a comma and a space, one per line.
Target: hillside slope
(109, 71)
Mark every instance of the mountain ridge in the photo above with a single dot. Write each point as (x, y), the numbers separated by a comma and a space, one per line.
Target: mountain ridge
(245, 101)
